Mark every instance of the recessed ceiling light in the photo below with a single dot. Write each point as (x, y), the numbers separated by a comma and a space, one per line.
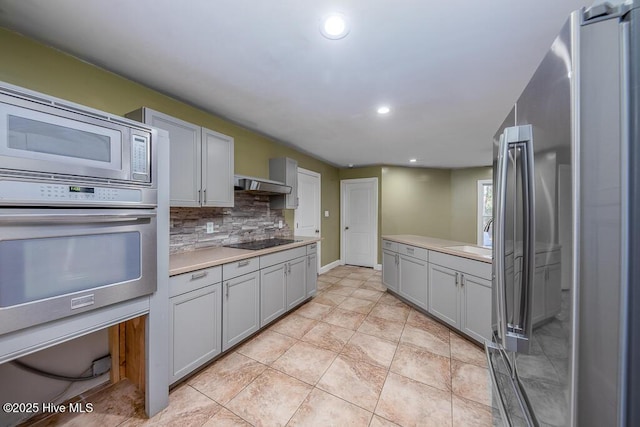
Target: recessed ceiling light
(334, 26)
(384, 109)
(413, 160)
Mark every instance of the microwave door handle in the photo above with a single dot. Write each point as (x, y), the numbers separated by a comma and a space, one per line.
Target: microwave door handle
(70, 218)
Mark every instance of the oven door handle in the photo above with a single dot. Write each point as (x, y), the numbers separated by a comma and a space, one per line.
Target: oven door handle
(71, 218)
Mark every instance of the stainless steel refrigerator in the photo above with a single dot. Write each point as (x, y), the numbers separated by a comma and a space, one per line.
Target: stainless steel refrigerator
(566, 311)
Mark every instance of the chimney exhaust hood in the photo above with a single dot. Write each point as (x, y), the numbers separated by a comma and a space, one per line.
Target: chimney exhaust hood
(260, 186)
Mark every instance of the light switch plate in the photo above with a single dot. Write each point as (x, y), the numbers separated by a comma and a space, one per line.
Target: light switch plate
(326, 214)
(280, 224)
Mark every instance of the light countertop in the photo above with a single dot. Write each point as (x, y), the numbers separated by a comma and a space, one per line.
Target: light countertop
(435, 244)
(186, 262)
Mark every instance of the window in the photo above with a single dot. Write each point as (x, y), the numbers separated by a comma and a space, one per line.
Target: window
(485, 212)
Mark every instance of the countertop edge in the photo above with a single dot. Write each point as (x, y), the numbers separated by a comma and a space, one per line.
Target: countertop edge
(437, 245)
(179, 263)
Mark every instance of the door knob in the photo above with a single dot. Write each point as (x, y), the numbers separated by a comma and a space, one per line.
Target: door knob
(346, 228)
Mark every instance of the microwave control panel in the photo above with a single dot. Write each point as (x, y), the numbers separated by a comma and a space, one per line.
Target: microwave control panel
(140, 157)
(20, 191)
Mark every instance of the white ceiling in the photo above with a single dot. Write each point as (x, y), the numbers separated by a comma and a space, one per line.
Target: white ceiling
(449, 69)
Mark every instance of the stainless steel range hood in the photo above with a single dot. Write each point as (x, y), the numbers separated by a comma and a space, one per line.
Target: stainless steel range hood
(260, 185)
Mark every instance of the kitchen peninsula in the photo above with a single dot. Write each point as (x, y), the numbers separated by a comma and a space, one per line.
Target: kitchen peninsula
(447, 279)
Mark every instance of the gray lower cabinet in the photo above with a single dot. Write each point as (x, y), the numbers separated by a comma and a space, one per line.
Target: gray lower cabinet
(195, 320)
(240, 308)
(312, 274)
(476, 307)
(443, 294)
(273, 293)
(390, 262)
(460, 293)
(412, 280)
(296, 282)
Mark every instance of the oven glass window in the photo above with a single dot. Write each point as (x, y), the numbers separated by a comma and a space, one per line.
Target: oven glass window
(33, 269)
(41, 137)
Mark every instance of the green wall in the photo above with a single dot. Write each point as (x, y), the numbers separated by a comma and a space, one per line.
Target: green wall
(35, 66)
(464, 202)
(416, 201)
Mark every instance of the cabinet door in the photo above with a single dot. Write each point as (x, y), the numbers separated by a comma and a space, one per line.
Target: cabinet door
(312, 275)
(296, 282)
(553, 290)
(390, 270)
(476, 307)
(412, 280)
(195, 319)
(217, 169)
(272, 292)
(539, 278)
(185, 152)
(291, 200)
(240, 308)
(443, 294)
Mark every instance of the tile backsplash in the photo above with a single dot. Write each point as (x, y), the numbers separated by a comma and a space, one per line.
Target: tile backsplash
(250, 219)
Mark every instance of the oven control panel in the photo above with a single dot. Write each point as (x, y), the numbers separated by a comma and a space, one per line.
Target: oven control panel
(32, 192)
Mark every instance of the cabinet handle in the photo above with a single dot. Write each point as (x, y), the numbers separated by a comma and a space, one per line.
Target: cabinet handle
(227, 291)
(197, 276)
(457, 282)
(410, 250)
(199, 193)
(462, 279)
(204, 201)
(243, 263)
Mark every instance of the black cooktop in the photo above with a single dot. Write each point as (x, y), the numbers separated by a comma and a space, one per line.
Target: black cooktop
(261, 244)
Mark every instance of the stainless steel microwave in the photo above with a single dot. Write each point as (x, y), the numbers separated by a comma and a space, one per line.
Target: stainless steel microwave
(53, 138)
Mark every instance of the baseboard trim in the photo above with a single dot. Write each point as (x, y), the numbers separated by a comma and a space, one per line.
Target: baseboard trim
(377, 267)
(329, 266)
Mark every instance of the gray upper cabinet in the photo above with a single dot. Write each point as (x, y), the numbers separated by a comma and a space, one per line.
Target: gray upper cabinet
(202, 161)
(285, 170)
(217, 169)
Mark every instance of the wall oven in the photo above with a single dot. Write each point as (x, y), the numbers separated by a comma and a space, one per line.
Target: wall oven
(78, 202)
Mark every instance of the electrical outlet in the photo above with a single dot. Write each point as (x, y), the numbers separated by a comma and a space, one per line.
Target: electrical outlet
(280, 224)
(101, 366)
(326, 214)
(209, 227)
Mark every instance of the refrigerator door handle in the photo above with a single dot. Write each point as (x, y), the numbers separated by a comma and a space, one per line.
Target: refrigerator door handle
(499, 230)
(515, 334)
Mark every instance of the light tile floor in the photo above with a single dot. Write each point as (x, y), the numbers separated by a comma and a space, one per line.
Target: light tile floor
(353, 356)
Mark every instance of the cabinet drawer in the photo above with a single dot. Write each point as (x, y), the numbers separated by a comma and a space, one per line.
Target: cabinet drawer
(413, 251)
(463, 265)
(238, 268)
(389, 245)
(547, 258)
(282, 256)
(188, 282)
(311, 249)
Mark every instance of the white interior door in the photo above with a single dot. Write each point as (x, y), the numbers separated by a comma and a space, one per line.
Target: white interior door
(359, 214)
(307, 215)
